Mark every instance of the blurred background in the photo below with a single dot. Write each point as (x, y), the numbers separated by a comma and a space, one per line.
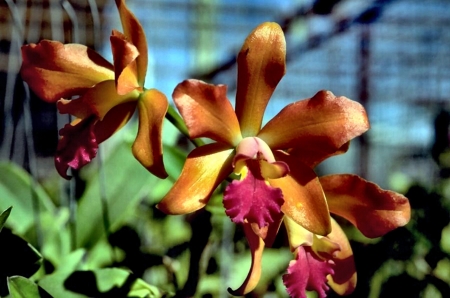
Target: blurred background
(393, 56)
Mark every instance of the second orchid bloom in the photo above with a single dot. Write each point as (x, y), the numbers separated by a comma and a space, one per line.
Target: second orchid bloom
(274, 165)
(101, 96)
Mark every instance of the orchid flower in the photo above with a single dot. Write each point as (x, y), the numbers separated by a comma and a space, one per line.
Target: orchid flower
(274, 164)
(320, 260)
(105, 96)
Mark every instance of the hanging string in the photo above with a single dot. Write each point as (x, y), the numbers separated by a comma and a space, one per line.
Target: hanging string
(72, 203)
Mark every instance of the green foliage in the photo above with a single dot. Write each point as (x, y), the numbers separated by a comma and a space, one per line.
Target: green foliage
(17, 257)
(21, 287)
(19, 190)
(4, 216)
(127, 183)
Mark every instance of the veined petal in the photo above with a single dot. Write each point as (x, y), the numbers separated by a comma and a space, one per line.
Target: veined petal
(207, 111)
(115, 119)
(134, 32)
(307, 272)
(77, 145)
(124, 55)
(54, 70)
(205, 168)
(147, 147)
(372, 210)
(256, 248)
(343, 281)
(96, 101)
(261, 65)
(304, 200)
(322, 124)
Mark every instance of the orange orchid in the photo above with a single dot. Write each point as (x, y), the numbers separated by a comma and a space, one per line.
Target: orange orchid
(321, 260)
(105, 96)
(275, 166)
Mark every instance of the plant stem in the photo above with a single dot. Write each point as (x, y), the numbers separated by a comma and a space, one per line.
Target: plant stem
(178, 122)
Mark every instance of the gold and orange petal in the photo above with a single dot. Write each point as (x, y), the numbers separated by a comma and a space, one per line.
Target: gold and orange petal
(312, 155)
(205, 168)
(372, 210)
(98, 101)
(256, 245)
(324, 122)
(207, 111)
(114, 120)
(134, 33)
(54, 70)
(297, 235)
(304, 200)
(147, 148)
(343, 281)
(125, 68)
(261, 65)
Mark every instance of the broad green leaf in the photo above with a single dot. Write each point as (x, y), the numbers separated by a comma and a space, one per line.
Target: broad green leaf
(21, 287)
(102, 255)
(442, 269)
(126, 183)
(109, 282)
(445, 239)
(56, 236)
(174, 159)
(3, 217)
(142, 289)
(18, 189)
(54, 283)
(108, 278)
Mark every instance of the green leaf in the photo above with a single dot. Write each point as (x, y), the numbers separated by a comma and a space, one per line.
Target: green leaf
(109, 282)
(142, 289)
(21, 287)
(56, 235)
(18, 189)
(54, 283)
(174, 159)
(109, 278)
(126, 183)
(445, 239)
(4, 216)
